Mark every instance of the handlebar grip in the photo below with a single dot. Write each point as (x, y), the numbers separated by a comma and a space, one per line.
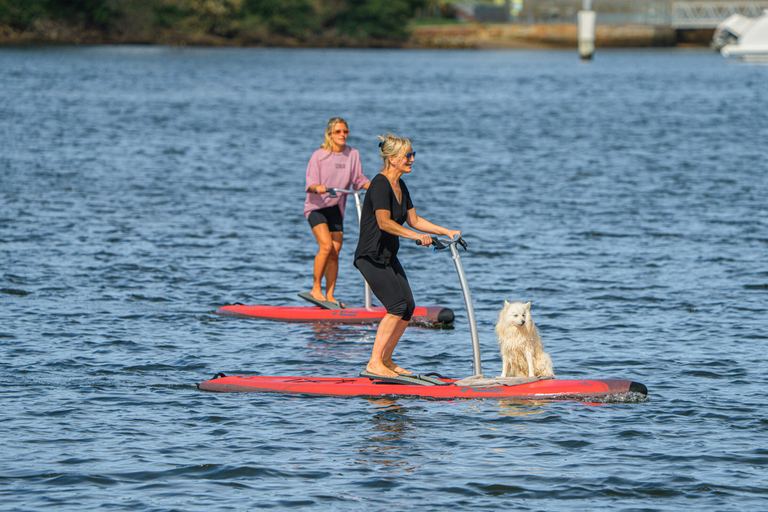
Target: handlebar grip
(439, 245)
(434, 241)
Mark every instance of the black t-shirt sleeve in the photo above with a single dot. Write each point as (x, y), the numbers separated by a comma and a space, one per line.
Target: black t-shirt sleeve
(379, 192)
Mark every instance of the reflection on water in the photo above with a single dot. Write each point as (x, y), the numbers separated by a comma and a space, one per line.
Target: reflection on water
(390, 428)
(339, 349)
(391, 418)
(332, 333)
(521, 408)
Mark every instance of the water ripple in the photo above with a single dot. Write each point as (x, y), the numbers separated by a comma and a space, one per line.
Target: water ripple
(143, 188)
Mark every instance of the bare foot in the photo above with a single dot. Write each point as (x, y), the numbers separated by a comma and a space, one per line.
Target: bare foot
(317, 295)
(380, 370)
(392, 366)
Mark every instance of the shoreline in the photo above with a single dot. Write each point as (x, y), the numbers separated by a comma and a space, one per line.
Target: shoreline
(458, 36)
(552, 36)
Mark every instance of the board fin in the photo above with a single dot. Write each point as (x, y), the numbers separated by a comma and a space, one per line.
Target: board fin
(326, 304)
(418, 380)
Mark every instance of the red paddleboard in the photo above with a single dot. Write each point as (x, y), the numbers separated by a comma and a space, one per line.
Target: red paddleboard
(603, 390)
(432, 316)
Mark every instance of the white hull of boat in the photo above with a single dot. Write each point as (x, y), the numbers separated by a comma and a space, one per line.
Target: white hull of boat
(747, 37)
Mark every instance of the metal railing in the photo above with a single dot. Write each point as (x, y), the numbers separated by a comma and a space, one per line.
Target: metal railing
(678, 14)
(695, 15)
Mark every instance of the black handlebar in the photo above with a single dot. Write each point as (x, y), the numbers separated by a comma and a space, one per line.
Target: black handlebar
(440, 244)
(334, 192)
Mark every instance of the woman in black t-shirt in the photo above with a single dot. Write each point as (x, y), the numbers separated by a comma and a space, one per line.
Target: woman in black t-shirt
(387, 206)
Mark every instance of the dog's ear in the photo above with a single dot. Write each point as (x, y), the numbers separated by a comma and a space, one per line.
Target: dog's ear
(528, 305)
(506, 302)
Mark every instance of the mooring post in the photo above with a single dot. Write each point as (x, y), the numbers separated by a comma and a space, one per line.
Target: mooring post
(586, 30)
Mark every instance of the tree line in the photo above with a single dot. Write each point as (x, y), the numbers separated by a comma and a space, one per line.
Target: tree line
(351, 20)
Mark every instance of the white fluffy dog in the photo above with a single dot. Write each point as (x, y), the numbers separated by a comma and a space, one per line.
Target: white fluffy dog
(522, 354)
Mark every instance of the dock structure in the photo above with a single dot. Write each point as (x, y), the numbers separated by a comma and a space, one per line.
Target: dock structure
(704, 15)
(679, 15)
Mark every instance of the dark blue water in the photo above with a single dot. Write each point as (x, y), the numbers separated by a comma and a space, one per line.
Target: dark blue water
(141, 188)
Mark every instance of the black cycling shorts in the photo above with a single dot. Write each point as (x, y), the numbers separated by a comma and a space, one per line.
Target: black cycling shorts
(331, 216)
(389, 284)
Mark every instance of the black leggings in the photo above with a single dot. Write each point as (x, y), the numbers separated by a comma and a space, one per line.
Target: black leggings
(389, 284)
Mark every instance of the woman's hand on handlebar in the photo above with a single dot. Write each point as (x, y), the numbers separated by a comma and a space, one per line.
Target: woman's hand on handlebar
(453, 233)
(424, 239)
(320, 189)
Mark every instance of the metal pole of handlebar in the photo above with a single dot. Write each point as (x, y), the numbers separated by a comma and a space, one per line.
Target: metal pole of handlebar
(359, 204)
(470, 309)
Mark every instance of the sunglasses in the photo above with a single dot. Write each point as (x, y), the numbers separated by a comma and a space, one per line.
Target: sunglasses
(341, 131)
(409, 155)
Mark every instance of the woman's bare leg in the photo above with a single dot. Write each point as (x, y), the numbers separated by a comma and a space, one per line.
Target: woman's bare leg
(388, 326)
(391, 328)
(394, 338)
(332, 266)
(325, 248)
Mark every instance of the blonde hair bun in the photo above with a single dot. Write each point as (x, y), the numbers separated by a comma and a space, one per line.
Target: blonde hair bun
(391, 145)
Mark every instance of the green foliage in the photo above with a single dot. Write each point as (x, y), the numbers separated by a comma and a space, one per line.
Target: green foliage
(19, 14)
(219, 17)
(95, 12)
(353, 20)
(381, 19)
(286, 17)
(169, 15)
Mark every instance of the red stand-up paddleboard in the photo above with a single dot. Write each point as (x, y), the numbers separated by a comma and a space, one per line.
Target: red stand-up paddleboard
(430, 316)
(436, 386)
(604, 390)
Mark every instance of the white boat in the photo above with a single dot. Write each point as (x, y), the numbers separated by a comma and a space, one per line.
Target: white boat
(746, 38)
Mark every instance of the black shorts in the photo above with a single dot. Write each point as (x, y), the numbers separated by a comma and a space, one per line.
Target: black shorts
(331, 216)
(389, 284)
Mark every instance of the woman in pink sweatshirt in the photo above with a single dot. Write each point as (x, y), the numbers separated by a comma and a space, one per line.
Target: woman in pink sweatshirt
(334, 165)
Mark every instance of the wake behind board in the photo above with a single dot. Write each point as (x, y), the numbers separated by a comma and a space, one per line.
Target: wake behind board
(602, 390)
(430, 316)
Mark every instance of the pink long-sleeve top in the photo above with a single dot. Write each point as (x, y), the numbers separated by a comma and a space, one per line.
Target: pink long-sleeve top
(332, 170)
